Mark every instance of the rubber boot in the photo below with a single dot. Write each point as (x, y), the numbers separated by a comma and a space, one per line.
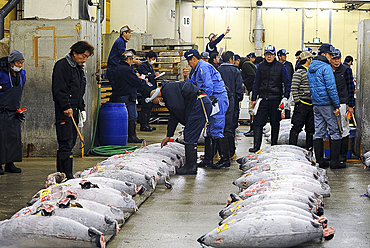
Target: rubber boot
(257, 139)
(132, 138)
(232, 147)
(208, 153)
(190, 167)
(144, 126)
(309, 141)
(293, 137)
(250, 133)
(328, 158)
(223, 150)
(1, 170)
(274, 136)
(318, 146)
(344, 149)
(10, 167)
(65, 163)
(335, 153)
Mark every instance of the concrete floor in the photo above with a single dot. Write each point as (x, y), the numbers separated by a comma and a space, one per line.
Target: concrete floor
(178, 217)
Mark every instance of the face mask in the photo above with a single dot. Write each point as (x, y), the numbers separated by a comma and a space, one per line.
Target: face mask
(152, 62)
(162, 104)
(16, 68)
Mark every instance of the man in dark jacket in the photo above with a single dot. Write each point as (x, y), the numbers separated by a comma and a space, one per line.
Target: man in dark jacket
(211, 47)
(326, 106)
(124, 90)
(190, 106)
(68, 87)
(303, 110)
(146, 69)
(233, 81)
(272, 89)
(12, 81)
(248, 71)
(282, 53)
(346, 92)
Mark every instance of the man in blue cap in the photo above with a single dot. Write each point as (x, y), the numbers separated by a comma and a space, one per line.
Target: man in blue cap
(272, 89)
(326, 106)
(282, 53)
(209, 79)
(346, 92)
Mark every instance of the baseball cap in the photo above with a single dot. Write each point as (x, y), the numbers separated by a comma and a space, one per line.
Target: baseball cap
(190, 53)
(236, 56)
(327, 48)
(337, 54)
(309, 49)
(125, 29)
(297, 53)
(211, 35)
(251, 55)
(282, 52)
(270, 49)
(305, 55)
(204, 55)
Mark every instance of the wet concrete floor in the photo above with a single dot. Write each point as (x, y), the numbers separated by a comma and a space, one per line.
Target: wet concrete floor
(178, 217)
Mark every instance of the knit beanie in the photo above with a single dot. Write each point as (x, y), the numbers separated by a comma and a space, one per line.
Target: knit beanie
(15, 55)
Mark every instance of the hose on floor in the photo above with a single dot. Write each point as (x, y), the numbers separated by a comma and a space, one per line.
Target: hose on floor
(112, 150)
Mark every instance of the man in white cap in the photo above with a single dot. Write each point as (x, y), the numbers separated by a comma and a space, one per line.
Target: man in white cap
(12, 80)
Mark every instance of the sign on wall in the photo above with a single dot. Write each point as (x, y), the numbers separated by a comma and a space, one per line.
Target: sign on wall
(186, 21)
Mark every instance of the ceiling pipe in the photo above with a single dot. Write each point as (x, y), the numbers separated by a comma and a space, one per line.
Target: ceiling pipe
(4, 11)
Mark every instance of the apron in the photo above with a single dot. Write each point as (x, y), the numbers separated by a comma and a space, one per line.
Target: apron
(10, 126)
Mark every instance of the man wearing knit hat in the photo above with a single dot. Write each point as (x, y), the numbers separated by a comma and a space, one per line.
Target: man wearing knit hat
(12, 80)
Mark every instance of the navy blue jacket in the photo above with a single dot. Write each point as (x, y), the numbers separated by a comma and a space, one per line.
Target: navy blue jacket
(233, 80)
(147, 69)
(118, 48)
(211, 46)
(180, 98)
(127, 83)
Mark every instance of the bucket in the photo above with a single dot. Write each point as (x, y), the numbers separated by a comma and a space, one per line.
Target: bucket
(113, 127)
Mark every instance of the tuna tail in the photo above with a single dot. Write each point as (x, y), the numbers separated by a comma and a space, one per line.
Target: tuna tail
(239, 160)
(97, 237)
(328, 233)
(140, 190)
(201, 239)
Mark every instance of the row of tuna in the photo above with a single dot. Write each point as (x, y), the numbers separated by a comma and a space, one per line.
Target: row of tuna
(280, 202)
(85, 211)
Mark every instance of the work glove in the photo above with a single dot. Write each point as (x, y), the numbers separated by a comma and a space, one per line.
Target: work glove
(283, 104)
(82, 118)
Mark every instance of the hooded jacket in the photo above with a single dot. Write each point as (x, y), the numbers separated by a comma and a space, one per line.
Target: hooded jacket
(322, 83)
(248, 73)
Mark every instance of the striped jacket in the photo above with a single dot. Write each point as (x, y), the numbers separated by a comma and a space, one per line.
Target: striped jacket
(300, 88)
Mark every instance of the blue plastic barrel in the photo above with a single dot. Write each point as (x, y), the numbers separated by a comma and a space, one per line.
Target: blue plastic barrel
(113, 127)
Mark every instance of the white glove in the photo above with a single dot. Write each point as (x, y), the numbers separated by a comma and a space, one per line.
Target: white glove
(257, 106)
(81, 118)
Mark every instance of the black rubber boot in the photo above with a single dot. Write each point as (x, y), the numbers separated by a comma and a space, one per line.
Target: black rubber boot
(293, 137)
(344, 149)
(190, 167)
(335, 153)
(208, 153)
(1, 170)
(309, 141)
(143, 123)
(10, 167)
(232, 148)
(257, 139)
(65, 163)
(132, 138)
(318, 146)
(223, 150)
(274, 136)
(250, 133)
(147, 121)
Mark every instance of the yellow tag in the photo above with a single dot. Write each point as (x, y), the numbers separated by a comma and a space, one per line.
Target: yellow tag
(44, 193)
(234, 203)
(250, 173)
(234, 209)
(224, 226)
(101, 168)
